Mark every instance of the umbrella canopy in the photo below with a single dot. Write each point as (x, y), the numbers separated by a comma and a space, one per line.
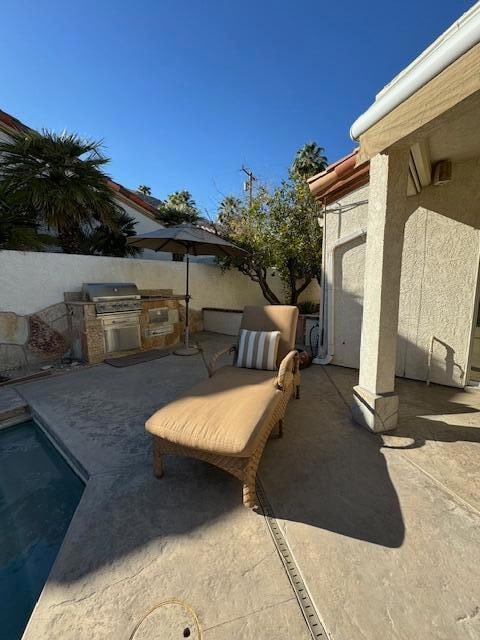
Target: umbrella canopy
(186, 238)
(192, 241)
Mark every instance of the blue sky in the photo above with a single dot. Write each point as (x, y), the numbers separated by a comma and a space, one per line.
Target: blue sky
(183, 93)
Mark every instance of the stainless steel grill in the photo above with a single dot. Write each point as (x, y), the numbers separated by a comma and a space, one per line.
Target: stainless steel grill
(112, 297)
(118, 305)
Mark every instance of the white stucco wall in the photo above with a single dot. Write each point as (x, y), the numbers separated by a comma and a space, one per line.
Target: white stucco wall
(438, 283)
(144, 222)
(31, 281)
(439, 278)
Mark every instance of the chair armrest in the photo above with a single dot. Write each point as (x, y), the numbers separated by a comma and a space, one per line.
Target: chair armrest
(288, 365)
(211, 365)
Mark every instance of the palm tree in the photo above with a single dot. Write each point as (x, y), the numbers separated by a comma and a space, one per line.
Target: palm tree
(183, 201)
(104, 241)
(228, 208)
(145, 190)
(308, 161)
(177, 208)
(59, 180)
(19, 231)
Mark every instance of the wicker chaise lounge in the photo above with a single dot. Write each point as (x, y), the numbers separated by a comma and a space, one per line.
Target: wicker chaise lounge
(227, 419)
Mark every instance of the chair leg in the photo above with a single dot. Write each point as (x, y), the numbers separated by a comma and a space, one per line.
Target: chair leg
(157, 460)
(280, 428)
(297, 394)
(249, 495)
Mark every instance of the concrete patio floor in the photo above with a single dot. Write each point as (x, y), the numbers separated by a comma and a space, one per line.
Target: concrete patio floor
(385, 529)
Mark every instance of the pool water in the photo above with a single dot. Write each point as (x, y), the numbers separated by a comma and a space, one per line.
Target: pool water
(39, 493)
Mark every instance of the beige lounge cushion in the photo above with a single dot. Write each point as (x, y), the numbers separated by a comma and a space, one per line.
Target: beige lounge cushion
(223, 414)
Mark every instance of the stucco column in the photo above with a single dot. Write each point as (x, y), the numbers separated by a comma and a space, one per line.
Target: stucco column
(375, 405)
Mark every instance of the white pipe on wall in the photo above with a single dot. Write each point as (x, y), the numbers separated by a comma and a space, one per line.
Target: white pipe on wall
(322, 223)
(329, 308)
(425, 69)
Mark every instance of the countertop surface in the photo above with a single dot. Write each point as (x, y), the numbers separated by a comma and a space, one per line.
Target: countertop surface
(142, 299)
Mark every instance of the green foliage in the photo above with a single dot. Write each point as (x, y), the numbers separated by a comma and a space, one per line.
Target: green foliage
(145, 190)
(177, 208)
(308, 161)
(105, 241)
(20, 229)
(280, 232)
(248, 227)
(58, 180)
(228, 208)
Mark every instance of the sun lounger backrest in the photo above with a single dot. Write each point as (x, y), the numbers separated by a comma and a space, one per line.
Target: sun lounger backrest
(275, 317)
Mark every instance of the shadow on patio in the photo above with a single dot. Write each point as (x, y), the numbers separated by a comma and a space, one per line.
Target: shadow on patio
(326, 472)
(330, 474)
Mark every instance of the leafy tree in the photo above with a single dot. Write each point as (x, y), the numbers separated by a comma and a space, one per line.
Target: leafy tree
(280, 232)
(308, 161)
(296, 236)
(145, 190)
(247, 227)
(177, 208)
(102, 240)
(58, 180)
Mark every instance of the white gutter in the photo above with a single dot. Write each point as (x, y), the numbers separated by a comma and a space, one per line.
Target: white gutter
(329, 309)
(457, 40)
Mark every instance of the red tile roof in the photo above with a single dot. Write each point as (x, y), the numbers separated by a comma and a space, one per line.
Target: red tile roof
(132, 196)
(12, 123)
(340, 178)
(9, 122)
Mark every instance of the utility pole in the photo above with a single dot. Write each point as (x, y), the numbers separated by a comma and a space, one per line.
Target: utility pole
(249, 183)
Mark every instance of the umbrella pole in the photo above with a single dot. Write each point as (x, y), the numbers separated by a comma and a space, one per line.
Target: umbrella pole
(187, 300)
(187, 350)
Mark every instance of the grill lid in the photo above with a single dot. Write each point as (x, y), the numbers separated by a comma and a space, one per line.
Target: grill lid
(98, 291)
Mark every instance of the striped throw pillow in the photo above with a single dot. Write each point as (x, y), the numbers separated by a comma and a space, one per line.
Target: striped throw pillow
(258, 349)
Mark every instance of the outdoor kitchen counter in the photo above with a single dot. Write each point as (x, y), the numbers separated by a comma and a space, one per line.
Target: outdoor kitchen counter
(160, 321)
(172, 296)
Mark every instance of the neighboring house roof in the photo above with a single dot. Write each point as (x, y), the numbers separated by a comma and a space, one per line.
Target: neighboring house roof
(154, 202)
(203, 223)
(8, 123)
(340, 178)
(134, 199)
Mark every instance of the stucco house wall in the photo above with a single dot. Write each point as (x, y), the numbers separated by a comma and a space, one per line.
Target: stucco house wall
(438, 284)
(144, 225)
(348, 273)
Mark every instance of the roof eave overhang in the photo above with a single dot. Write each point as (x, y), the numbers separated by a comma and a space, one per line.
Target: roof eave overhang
(454, 90)
(447, 49)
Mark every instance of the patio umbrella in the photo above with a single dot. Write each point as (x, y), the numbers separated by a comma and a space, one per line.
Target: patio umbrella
(190, 241)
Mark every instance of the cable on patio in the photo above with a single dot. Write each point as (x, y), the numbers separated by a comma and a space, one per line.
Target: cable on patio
(182, 604)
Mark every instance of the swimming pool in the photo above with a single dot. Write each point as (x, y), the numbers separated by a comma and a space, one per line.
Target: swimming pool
(39, 493)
